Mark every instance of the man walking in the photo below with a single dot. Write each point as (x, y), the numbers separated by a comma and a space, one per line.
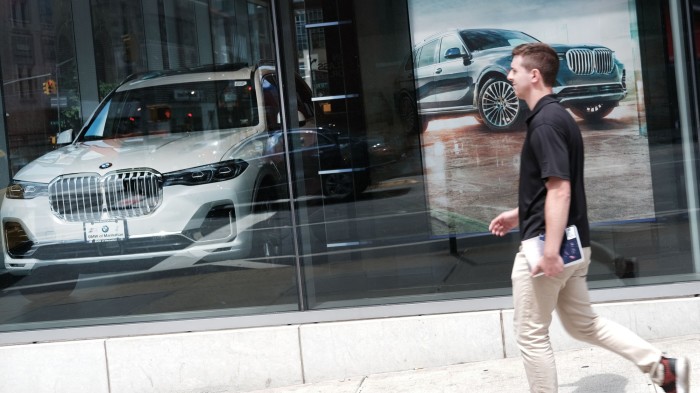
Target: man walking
(551, 196)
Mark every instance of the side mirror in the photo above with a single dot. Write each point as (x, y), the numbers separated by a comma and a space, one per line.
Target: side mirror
(64, 137)
(453, 53)
(456, 53)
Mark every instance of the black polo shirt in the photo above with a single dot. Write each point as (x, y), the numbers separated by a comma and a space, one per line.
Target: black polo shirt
(553, 147)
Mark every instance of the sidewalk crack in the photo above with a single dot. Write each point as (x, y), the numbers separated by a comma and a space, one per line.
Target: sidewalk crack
(361, 386)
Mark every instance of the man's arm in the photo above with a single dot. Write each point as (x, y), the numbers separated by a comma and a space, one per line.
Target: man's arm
(556, 214)
(504, 222)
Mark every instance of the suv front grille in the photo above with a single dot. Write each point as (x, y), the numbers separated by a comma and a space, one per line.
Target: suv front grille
(90, 197)
(590, 61)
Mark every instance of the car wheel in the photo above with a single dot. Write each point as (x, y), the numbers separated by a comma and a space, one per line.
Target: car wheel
(408, 114)
(499, 108)
(338, 185)
(593, 112)
(268, 233)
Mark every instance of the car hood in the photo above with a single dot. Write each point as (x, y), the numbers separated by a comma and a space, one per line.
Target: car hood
(489, 56)
(164, 154)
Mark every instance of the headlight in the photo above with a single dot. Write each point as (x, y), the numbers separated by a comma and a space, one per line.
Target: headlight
(26, 190)
(222, 171)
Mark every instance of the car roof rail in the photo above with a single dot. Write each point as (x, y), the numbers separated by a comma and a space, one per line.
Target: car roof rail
(430, 37)
(203, 68)
(218, 67)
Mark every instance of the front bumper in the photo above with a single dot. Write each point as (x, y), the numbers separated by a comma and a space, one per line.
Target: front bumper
(192, 221)
(586, 94)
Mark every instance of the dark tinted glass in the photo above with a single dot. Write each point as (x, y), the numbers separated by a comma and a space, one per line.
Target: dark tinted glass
(173, 203)
(193, 107)
(489, 39)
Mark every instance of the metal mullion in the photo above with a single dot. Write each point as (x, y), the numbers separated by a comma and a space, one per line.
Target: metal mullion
(110, 193)
(91, 189)
(133, 189)
(63, 199)
(143, 193)
(96, 199)
(588, 61)
(104, 190)
(153, 192)
(684, 76)
(153, 195)
(285, 57)
(123, 178)
(148, 183)
(83, 194)
(140, 185)
(96, 207)
(86, 209)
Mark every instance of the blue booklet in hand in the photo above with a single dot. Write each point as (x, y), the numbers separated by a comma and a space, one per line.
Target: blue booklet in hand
(571, 251)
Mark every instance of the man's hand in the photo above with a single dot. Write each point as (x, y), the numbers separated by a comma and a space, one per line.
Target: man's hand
(549, 265)
(556, 212)
(504, 222)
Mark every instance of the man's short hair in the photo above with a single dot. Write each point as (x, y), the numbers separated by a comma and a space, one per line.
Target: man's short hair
(540, 56)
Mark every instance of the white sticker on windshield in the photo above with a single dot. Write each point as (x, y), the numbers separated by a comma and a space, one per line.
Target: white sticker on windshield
(240, 83)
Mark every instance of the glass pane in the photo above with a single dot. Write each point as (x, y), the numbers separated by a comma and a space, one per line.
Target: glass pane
(185, 196)
(172, 201)
(401, 210)
(364, 227)
(40, 81)
(623, 96)
(119, 38)
(241, 31)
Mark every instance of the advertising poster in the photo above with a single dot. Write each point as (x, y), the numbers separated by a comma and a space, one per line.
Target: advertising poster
(470, 137)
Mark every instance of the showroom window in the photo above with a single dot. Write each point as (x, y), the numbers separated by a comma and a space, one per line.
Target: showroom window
(235, 166)
(172, 202)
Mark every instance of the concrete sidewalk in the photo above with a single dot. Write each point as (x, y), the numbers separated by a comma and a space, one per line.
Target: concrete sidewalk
(585, 370)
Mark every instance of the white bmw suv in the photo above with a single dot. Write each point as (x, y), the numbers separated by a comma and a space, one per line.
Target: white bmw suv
(165, 166)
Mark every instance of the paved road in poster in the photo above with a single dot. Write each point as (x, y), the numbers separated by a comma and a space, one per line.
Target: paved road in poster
(473, 172)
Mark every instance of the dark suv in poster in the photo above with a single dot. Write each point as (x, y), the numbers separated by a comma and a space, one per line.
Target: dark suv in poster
(464, 71)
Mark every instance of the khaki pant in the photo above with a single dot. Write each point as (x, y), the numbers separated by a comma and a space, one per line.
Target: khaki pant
(536, 298)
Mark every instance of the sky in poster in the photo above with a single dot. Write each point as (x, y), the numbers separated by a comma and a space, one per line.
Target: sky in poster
(606, 22)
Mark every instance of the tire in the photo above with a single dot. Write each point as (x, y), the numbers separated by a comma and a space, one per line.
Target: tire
(268, 234)
(499, 108)
(408, 114)
(338, 185)
(593, 112)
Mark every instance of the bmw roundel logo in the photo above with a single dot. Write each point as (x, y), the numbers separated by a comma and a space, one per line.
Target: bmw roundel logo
(106, 165)
(105, 229)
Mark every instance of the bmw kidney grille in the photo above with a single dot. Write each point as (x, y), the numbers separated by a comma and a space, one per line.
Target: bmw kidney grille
(90, 197)
(590, 61)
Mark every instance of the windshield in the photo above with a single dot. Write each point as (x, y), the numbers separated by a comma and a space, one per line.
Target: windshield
(175, 108)
(477, 40)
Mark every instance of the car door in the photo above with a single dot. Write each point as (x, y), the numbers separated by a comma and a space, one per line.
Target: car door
(454, 80)
(426, 60)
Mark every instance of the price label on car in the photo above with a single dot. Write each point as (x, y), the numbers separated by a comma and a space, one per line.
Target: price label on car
(104, 231)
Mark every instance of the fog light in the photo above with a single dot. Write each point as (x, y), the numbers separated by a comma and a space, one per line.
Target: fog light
(17, 241)
(219, 223)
